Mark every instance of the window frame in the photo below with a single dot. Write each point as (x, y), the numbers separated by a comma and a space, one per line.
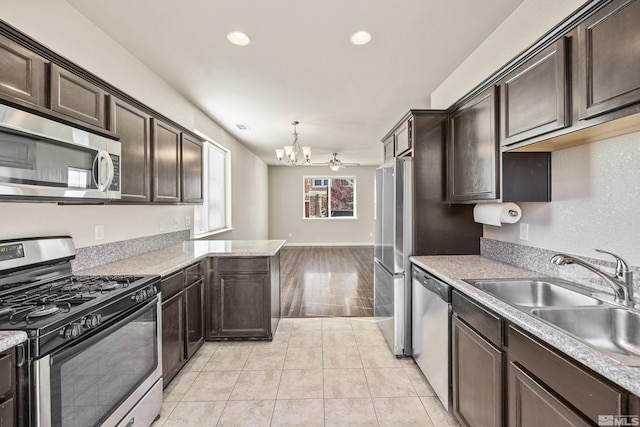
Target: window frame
(328, 179)
(208, 144)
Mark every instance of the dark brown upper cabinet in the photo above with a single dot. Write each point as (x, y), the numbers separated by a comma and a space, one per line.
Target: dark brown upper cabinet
(609, 59)
(166, 162)
(403, 137)
(191, 170)
(473, 150)
(133, 126)
(389, 149)
(75, 97)
(22, 74)
(534, 98)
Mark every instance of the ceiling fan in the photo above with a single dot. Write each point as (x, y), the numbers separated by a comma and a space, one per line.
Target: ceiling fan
(335, 164)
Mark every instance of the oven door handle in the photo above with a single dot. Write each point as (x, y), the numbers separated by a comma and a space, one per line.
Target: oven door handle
(68, 352)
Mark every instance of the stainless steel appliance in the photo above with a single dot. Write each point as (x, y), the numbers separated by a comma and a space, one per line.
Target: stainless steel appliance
(45, 159)
(393, 246)
(431, 336)
(93, 348)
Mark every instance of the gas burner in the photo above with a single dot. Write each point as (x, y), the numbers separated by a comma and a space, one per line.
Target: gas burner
(73, 286)
(109, 286)
(44, 310)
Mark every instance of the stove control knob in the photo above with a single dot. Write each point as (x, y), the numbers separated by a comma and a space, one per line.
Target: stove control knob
(151, 292)
(140, 296)
(92, 321)
(72, 331)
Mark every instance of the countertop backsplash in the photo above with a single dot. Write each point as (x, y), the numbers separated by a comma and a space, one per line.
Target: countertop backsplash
(538, 259)
(93, 256)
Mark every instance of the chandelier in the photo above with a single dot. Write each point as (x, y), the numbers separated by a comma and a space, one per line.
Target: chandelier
(293, 151)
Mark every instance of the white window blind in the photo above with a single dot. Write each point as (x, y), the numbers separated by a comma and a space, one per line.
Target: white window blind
(215, 212)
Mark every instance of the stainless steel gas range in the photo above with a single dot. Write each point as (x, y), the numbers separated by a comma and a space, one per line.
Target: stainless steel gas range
(93, 351)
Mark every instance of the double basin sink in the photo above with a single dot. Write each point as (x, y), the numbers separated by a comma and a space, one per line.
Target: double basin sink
(612, 330)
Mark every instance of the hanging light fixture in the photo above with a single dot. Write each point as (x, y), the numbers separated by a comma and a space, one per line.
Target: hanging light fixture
(293, 151)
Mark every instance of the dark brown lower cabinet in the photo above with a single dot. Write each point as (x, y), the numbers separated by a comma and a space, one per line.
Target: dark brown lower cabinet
(532, 405)
(13, 405)
(477, 377)
(243, 298)
(194, 314)
(173, 358)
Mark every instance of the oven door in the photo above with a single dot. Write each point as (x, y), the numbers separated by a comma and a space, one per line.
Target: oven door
(100, 379)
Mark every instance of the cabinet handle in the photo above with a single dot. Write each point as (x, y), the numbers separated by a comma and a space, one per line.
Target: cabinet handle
(21, 356)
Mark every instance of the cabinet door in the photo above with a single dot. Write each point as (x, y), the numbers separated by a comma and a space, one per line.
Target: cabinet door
(531, 405)
(133, 127)
(244, 305)
(389, 148)
(166, 162)
(477, 378)
(533, 96)
(609, 59)
(194, 313)
(22, 74)
(172, 337)
(75, 97)
(474, 162)
(191, 170)
(403, 137)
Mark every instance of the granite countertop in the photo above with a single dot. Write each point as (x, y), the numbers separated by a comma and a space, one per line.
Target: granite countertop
(453, 269)
(170, 259)
(10, 339)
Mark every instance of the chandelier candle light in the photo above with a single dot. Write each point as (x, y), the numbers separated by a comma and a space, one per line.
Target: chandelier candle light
(293, 151)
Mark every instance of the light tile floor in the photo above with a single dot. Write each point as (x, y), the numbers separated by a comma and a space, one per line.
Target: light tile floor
(315, 372)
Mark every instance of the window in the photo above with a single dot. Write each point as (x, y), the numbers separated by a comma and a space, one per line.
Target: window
(215, 213)
(329, 197)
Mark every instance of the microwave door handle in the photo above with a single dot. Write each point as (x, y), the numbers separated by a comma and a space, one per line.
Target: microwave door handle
(98, 170)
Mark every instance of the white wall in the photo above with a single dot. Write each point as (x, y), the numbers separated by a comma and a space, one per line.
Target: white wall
(594, 187)
(60, 27)
(286, 208)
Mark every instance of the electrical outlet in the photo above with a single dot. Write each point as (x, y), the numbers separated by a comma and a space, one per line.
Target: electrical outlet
(524, 231)
(187, 221)
(175, 223)
(99, 232)
(163, 224)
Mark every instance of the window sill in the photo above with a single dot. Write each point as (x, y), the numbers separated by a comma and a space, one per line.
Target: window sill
(211, 233)
(340, 218)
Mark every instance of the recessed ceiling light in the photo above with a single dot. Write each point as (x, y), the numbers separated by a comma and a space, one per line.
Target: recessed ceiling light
(239, 38)
(360, 37)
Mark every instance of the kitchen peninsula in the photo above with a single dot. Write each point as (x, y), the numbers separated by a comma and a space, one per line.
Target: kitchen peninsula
(211, 289)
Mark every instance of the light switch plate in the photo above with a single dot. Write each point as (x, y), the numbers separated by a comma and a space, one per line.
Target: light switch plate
(99, 232)
(524, 231)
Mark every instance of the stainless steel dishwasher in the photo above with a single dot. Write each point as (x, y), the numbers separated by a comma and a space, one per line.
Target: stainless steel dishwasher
(431, 318)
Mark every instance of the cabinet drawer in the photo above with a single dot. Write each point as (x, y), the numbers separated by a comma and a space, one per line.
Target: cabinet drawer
(194, 273)
(243, 265)
(581, 389)
(172, 285)
(489, 325)
(6, 413)
(6, 373)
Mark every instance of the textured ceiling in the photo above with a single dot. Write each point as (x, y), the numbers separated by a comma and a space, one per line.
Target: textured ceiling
(300, 64)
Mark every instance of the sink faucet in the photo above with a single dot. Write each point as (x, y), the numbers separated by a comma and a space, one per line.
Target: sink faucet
(621, 282)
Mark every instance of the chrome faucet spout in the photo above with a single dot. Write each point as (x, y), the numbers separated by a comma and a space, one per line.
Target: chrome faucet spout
(621, 282)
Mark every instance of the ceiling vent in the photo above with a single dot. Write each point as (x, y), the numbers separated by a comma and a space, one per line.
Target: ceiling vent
(242, 126)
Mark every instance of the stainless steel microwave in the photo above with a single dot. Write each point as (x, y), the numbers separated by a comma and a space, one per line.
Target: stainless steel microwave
(41, 159)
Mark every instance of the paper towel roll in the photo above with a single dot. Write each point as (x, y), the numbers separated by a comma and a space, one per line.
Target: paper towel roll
(497, 213)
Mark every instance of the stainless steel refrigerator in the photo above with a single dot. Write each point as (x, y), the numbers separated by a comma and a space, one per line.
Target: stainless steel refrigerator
(392, 247)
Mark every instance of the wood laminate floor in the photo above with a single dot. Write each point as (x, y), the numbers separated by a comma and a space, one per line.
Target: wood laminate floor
(326, 281)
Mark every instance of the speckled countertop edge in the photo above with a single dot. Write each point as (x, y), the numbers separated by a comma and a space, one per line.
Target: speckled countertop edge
(453, 269)
(10, 339)
(165, 261)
